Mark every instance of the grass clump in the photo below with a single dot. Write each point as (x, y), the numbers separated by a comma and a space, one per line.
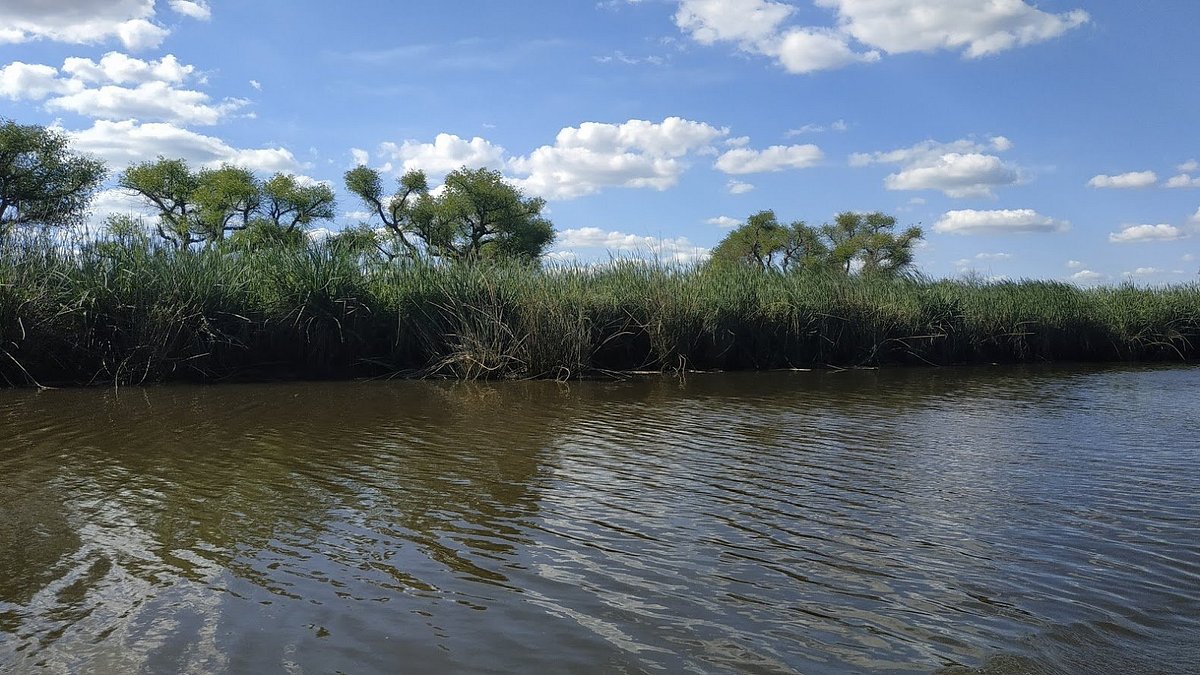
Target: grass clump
(126, 311)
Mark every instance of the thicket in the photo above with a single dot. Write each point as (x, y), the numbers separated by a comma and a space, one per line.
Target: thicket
(127, 310)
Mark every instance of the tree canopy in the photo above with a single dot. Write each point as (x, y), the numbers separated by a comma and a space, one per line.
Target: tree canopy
(476, 215)
(862, 242)
(42, 181)
(206, 205)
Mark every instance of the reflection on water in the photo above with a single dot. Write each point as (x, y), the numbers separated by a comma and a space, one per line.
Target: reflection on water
(961, 520)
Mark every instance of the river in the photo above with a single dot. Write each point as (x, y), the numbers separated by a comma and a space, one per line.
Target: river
(996, 520)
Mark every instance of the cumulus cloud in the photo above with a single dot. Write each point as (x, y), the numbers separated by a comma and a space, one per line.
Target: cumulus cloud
(1133, 179)
(973, 27)
(960, 169)
(82, 22)
(593, 156)
(100, 89)
(993, 256)
(1131, 234)
(757, 27)
(34, 82)
(724, 221)
(1003, 221)
(1087, 276)
(677, 249)
(741, 161)
(127, 142)
(446, 153)
(1183, 180)
(863, 29)
(737, 187)
(1188, 166)
(1074, 264)
(196, 9)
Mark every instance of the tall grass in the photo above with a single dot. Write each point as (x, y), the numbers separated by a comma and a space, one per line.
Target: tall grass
(129, 312)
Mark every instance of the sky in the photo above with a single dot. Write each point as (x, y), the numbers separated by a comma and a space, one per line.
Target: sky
(1054, 139)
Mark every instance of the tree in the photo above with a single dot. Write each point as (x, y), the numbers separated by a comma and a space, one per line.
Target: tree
(226, 200)
(206, 205)
(764, 243)
(479, 215)
(394, 211)
(867, 240)
(171, 187)
(290, 204)
(862, 242)
(41, 181)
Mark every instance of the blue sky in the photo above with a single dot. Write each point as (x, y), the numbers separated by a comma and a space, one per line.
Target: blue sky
(1053, 139)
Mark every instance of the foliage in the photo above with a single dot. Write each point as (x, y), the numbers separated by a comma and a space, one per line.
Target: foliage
(134, 309)
(476, 216)
(854, 241)
(206, 205)
(479, 215)
(41, 181)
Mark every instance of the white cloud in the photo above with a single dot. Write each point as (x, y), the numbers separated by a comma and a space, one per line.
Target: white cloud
(153, 100)
(1002, 221)
(1145, 272)
(1133, 179)
(1188, 166)
(31, 82)
(256, 85)
(747, 21)
(805, 50)
(839, 125)
(724, 221)
(1188, 257)
(361, 157)
(1074, 265)
(81, 22)
(993, 256)
(1195, 219)
(96, 89)
(116, 202)
(737, 187)
(677, 249)
(756, 27)
(446, 153)
(1087, 276)
(960, 169)
(974, 27)
(1142, 233)
(196, 9)
(741, 161)
(118, 68)
(1183, 180)
(126, 142)
(593, 156)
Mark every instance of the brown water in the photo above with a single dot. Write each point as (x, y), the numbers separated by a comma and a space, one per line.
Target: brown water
(1013, 520)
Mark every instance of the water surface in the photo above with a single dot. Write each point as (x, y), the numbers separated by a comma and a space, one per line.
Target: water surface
(1023, 520)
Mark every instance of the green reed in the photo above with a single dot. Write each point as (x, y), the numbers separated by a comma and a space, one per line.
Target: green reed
(125, 311)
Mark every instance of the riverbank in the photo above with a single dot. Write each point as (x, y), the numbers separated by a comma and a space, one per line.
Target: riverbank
(130, 314)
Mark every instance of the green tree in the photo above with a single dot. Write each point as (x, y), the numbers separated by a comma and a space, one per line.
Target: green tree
(863, 242)
(170, 186)
(290, 204)
(868, 241)
(480, 215)
(207, 205)
(394, 211)
(765, 243)
(41, 181)
(226, 199)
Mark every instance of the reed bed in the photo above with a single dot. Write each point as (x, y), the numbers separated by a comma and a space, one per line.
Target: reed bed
(127, 312)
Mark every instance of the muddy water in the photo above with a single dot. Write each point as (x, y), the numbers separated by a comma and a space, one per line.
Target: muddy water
(1008, 520)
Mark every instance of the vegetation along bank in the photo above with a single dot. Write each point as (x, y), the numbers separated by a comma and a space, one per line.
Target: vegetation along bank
(226, 283)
